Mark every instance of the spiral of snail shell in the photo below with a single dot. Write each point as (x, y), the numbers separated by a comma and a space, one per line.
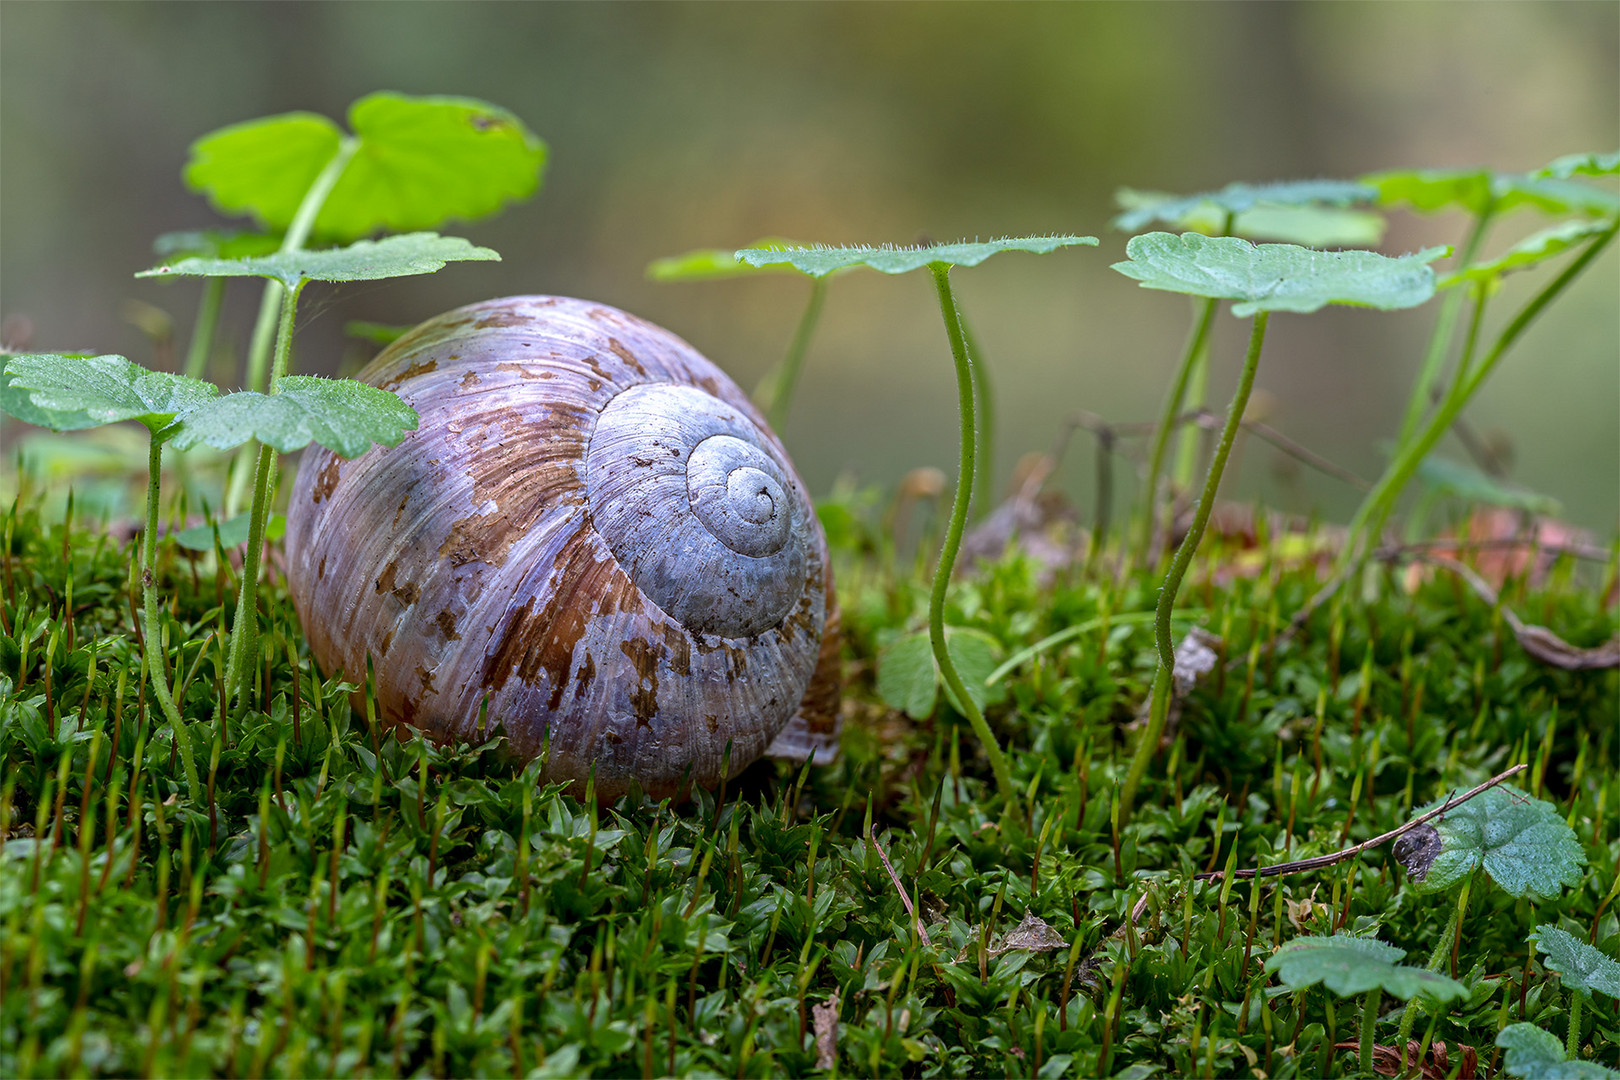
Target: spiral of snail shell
(591, 539)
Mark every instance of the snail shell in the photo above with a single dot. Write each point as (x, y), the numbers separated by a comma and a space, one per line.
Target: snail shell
(591, 538)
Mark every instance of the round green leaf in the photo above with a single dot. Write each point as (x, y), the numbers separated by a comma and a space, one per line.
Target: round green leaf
(909, 680)
(1211, 207)
(364, 260)
(1468, 483)
(214, 243)
(1533, 1054)
(710, 264)
(1352, 965)
(106, 389)
(420, 161)
(1429, 190)
(820, 260)
(263, 167)
(232, 533)
(1277, 277)
(1580, 967)
(1522, 843)
(341, 414)
(17, 402)
(1310, 225)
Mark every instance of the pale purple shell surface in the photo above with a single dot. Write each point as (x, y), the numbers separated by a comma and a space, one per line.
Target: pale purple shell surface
(592, 536)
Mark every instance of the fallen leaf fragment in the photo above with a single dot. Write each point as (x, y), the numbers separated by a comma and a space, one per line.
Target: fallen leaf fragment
(825, 1020)
(1437, 1066)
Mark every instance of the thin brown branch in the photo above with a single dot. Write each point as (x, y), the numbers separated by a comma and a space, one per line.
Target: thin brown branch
(922, 932)
(1319, 862)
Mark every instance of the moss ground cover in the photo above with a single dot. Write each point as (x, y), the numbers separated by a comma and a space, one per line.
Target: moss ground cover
(340, 901)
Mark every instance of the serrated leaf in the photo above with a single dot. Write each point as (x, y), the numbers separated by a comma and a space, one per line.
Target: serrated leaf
(819, 260)
(1430, 190)
(1533, 1054)
(1521, 841)
(420, 162)
(711, 264)
(1144, 208)
(1468, 483)
(1350, 965)
(1537, 247)
(341, 414)
(1307, 225)
(1581, 967)
(232, 533)
(17, 402)
(364, 260)
(909, 680)
(1581, 165)
(1277, 277)
(107, 389)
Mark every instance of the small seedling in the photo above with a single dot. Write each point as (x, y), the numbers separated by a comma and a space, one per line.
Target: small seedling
(818, 262)
(1582, 969)
(1260, 280)
(1352, 965)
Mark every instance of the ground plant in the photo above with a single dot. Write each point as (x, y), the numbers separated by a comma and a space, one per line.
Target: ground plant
(1168, 797)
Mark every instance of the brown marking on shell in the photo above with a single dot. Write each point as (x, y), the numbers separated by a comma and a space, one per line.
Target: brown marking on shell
(388, 640)
(494, 317)
(326, 480)
(617, 348)
(320, 571)
(819, 707)
(583, 677)
(679, 648)
(581, 586)
(407, 594)
(420, 367)
(644, 657)
(446, 621)
(523, 371)
(470, 380)
(426, 678)
(401, 509)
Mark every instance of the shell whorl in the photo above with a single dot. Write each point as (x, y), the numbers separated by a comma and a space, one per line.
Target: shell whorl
(724, 550)
(592, 538)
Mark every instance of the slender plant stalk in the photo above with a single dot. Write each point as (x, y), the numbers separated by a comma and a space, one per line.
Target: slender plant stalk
(155, 673)
(1572, 1039)
(1440, 340)
(1369, 1021)
(202, 334)
(1196, 342)
(953, 538)
(1437, 960)
(1190, 439)
(244, 628)
(272, 301)
(984, 404)
(778, 396)
(1159, 707)
(1380, 501)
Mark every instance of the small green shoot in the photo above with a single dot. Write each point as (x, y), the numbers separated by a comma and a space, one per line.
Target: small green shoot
(818, 262)
(1351, 965)
(1582, 969)
(1259, 279)
(1533, 1054)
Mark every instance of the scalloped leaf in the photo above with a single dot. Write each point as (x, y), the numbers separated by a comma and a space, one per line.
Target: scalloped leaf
(713, 264)
(421, 161)
(909, 680)
(1468, 483)
(821, 260)
(1533, 1054)
(1581, 967)
(1277, 277)
(1581, 165)
(342, 415)
(364, 260)
(1537, 247)
(1147, 207)
(1309, 225)
(1430, 190)
(17, 402)
(214, 244)
(106, 389)
(1521, 841)
(1350, 965)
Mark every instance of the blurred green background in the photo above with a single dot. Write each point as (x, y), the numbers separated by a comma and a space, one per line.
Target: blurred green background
(683, 125)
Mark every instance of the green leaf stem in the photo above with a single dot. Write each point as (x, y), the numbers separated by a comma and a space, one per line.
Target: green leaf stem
(1277, 277)
(420, 161)
(365, 260)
